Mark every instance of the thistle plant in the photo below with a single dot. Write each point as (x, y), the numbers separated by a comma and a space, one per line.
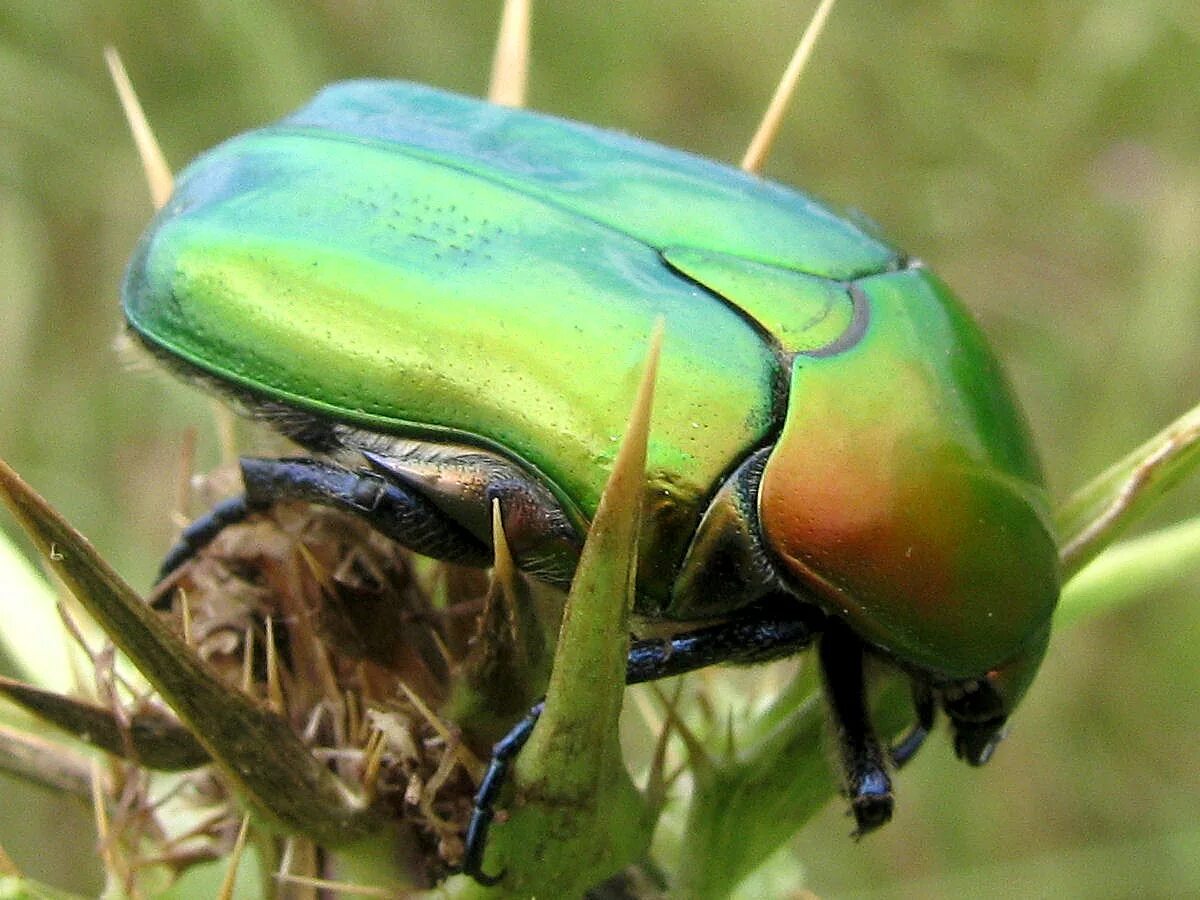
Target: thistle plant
(303, 668)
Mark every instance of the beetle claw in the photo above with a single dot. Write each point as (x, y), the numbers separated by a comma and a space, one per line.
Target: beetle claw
(871, 813)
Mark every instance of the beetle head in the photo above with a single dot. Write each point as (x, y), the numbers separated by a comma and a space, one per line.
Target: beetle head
(978, 709)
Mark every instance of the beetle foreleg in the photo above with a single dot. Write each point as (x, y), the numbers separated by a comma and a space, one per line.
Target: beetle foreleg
(200, 533)
(391, 509)
(866, 780)
(462, 482)
(926, 709)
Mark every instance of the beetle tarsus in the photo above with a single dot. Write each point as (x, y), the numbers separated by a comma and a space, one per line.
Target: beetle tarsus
(503, 753)
(976, 742)
(871, 803)
(867, 784)
(200, 533)
(977, 713)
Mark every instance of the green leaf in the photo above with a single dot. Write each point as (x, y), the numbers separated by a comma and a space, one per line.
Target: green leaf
(30, 644)
(1130, 571)
(1101, 510)
(150, 737)
(14, 888)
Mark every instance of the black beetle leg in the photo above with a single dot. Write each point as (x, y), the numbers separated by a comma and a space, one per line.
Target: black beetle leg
(926, 709)
(760, 633)
(769, 630)
(201, 532)
(503, 753)
(392, 509)
(866, 780)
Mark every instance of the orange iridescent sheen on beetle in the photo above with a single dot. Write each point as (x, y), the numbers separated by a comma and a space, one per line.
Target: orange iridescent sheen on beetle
(904, 497)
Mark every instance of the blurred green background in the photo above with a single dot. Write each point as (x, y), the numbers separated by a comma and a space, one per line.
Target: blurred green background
(1044, 157)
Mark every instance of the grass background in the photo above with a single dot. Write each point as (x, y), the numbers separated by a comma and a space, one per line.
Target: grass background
(1044, 157)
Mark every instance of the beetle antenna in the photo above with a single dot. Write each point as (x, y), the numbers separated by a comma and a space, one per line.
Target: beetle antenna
(510, 63)
(768, 128)
(158, 173)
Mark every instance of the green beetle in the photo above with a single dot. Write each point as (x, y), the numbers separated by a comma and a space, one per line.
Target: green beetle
(441, 300)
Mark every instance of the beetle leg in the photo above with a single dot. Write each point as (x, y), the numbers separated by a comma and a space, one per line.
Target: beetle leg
(503, 753)
(461, 482)
(760, 633)
(391, 509)
(768, 630)
(866, 780)
(726, 561)
(201, 532)
(926, 709)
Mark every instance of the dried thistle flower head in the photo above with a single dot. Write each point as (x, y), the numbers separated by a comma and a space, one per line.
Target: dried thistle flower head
(398, 671)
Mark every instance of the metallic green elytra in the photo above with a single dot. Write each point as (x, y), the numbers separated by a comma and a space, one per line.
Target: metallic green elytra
(459, 294)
